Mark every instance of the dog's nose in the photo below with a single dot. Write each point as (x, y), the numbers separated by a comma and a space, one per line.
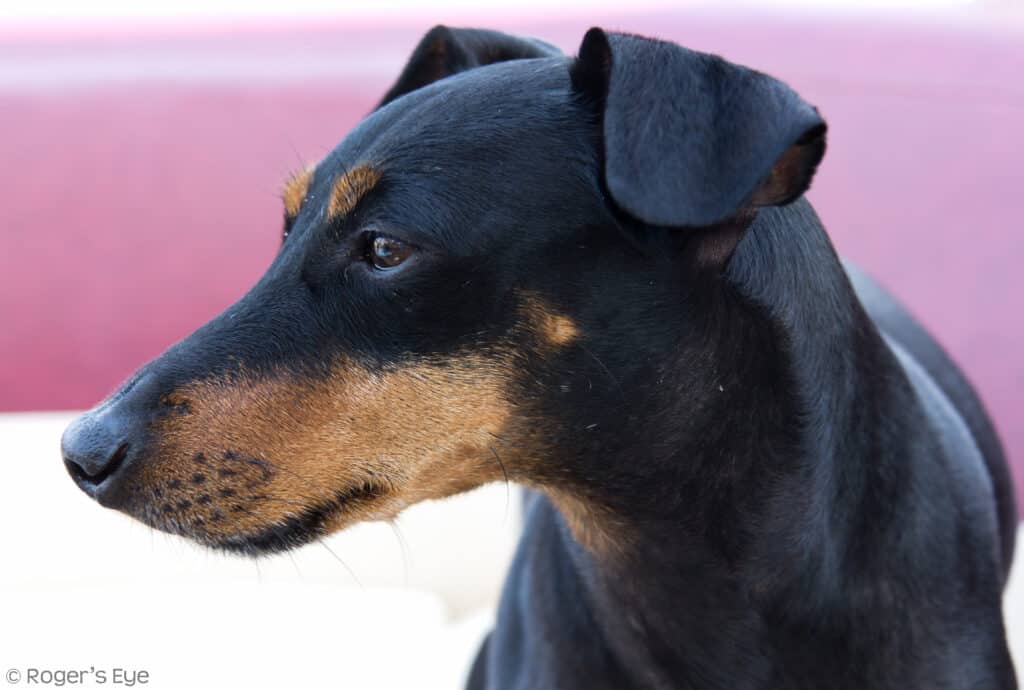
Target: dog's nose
(94, 452)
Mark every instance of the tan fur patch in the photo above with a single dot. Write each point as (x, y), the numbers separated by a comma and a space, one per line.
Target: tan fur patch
(295, 190)
(259, 450)
(592, 526)
(349, 188)
(788, 172)
(552, 329)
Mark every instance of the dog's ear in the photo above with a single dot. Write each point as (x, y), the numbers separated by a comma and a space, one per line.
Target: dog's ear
(443, 52)
(691, 140)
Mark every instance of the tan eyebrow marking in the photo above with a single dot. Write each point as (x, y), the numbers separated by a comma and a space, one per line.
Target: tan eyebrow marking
(350, 188)
(294, 193)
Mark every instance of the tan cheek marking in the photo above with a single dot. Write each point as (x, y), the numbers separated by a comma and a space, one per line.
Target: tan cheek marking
(559, 330)
(553, 330)
(295, 190)
(350, 188)
(419, 432)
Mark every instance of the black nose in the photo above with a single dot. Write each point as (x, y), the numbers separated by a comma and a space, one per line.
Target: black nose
(94, 452)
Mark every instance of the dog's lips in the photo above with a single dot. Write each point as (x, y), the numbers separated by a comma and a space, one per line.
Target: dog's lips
(282, 533)
(310, 525)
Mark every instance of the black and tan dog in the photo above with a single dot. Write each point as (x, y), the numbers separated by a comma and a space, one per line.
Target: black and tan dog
(594, 276)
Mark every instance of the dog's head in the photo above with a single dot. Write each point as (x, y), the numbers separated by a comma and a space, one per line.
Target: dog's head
(497, 274)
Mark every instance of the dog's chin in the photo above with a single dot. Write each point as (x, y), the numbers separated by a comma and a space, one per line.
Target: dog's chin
(284, 533)
(290, 533)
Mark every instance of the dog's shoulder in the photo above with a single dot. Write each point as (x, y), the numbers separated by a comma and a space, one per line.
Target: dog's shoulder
(954, 410)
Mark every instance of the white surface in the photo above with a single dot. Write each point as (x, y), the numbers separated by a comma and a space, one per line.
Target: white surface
(82, 586)
(242, 635)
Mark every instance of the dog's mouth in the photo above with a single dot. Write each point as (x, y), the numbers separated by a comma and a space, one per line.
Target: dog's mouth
(250, 522)
(309, 525)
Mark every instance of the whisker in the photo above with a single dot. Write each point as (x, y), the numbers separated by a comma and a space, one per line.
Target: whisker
(403, 548)
(343, 563)
(607, 371)
(504, 472)
(268, 465)
(498, 438)
(295, 151)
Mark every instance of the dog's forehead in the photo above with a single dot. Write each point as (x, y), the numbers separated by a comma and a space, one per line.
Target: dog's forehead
(505, 134)
(485, 102)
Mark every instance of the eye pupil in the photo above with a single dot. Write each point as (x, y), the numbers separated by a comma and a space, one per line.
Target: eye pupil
(386, 252)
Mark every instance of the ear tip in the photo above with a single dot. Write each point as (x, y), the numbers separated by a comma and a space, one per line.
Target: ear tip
(809, 151)
(812, 143)
(439, 34)
(816, 139)
(595, 44)
(439, 40)
(816, 131)
(590, 71)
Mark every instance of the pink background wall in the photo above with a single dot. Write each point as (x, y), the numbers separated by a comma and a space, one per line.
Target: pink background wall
(139, 178)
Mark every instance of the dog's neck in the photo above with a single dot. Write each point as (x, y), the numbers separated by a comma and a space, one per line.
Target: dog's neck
(742, 527)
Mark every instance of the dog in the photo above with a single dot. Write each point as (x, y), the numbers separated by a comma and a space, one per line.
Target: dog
(597, 276)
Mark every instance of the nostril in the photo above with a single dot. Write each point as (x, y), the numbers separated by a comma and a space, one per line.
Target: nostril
(114, 464)
(90, 474)
(82, 476)
(98, 450)
(76, 471)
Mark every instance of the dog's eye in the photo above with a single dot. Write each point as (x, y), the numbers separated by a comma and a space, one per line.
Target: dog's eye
(385, 252)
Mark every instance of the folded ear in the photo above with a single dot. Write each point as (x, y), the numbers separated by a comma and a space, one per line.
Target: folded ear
(693, 140)
(443, 52)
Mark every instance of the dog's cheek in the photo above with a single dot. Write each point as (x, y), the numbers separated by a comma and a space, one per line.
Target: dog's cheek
(548, 331)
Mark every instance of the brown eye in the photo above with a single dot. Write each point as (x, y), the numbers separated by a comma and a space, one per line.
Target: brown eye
(386, 252)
